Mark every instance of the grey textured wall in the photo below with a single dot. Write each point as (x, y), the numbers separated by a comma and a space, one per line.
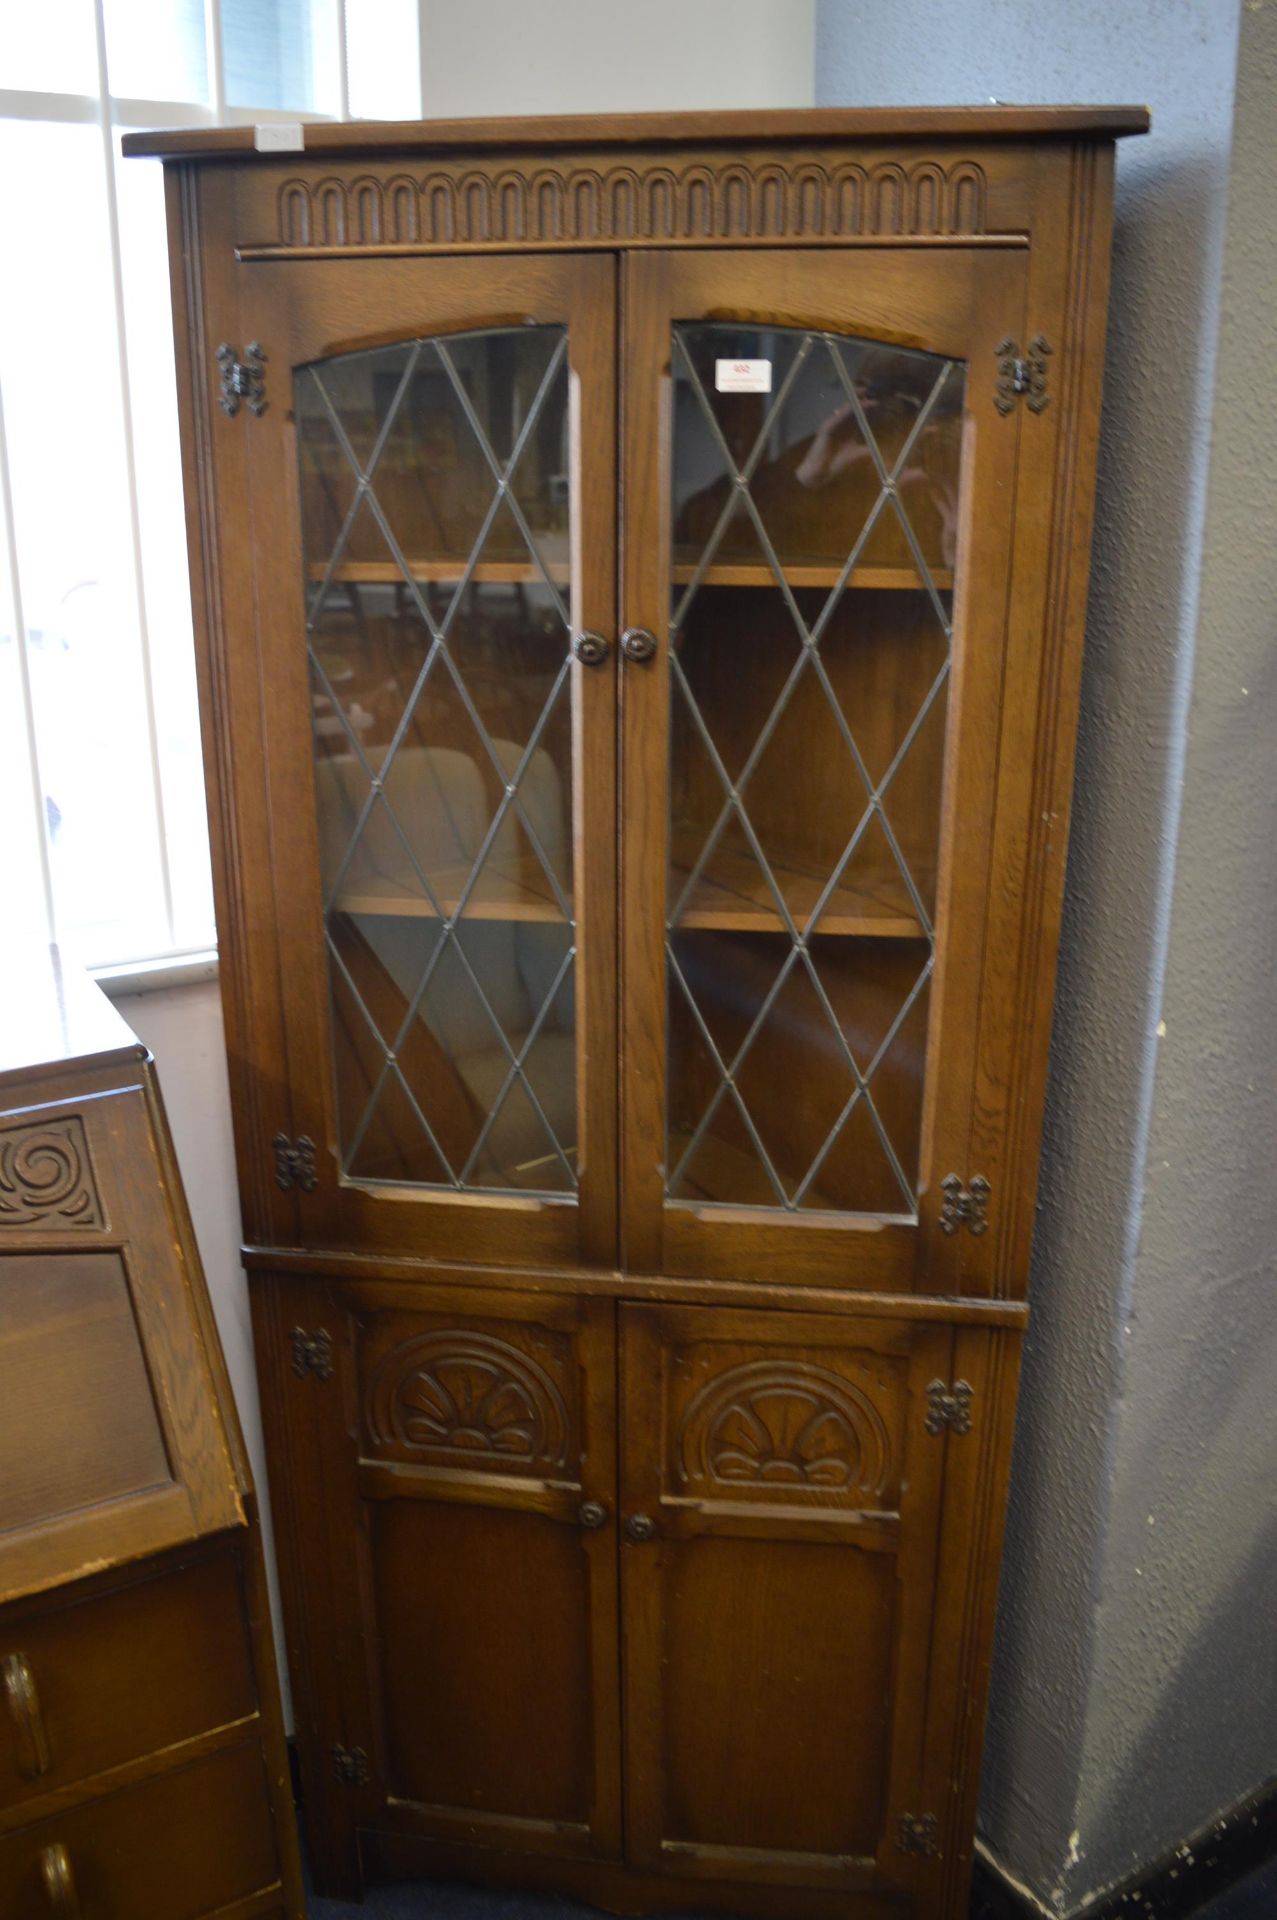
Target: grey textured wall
(1184, 1683)
(1135, 1547)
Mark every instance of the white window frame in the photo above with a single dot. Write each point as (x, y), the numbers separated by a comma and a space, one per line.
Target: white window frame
(174, 964)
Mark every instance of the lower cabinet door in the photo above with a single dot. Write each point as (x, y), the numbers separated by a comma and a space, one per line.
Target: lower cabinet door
(780, 1508)
(468, 1452)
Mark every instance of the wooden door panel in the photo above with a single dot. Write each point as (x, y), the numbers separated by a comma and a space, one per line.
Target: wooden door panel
(486, 1479)
(750, 754)
(792, 1603)
(777, 1612)
(466, 1440)
(483, 1637)
(456, 787)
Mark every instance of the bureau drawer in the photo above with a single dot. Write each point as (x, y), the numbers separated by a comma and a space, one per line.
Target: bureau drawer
(175, 1847)
(90, 1684)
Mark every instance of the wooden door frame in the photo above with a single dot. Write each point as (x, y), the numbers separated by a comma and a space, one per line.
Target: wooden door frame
(314, 1423)
(956, 301)
(302, 311)
(642, 1333)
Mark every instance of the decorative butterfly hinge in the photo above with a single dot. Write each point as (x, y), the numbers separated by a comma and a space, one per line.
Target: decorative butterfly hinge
(1022, 375)
(312, 1353)
(949, 1410)
(917, 1834)
(964, 1206)
(350, 1766)
(242, 382)
(295, 1162)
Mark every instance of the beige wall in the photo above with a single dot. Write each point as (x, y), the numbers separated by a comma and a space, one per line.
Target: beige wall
(610, 56)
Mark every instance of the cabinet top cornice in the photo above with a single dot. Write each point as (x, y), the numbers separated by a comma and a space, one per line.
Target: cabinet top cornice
(817, 124)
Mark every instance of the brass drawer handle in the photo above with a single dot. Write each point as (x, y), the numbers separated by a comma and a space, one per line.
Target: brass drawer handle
(592, 1514)
(23, 1702)
(59, 1882)
(640, 1527)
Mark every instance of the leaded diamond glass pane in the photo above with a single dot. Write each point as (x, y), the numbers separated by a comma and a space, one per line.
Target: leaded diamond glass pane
(815, 503)
(435, 508)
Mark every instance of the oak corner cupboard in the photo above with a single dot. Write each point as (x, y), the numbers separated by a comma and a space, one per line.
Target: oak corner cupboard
(640, 572)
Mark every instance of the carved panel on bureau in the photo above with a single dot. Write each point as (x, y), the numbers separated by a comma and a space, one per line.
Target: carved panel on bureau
(789, 197)
(470, 1399)
(46, 1177)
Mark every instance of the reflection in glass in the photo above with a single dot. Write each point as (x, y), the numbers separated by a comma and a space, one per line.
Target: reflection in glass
(435, 522)
(814, 535)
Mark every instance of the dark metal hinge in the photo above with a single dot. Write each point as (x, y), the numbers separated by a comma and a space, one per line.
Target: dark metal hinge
(295, 1162)
(951, 1410)
(916, 1833)
(242, 381)
(1022, 375)
(312, 1353)
(964, 1206)
(350, 1766)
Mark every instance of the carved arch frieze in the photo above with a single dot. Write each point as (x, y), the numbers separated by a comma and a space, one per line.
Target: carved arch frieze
(648, 202)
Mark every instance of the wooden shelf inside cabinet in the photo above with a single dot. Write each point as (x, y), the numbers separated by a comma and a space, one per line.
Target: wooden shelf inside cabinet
(505, 890)
(446, 572)
(732, 895)
(727, 573)
(811, 573)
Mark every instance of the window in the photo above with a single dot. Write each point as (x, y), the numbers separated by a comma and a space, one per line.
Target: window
(100, 776)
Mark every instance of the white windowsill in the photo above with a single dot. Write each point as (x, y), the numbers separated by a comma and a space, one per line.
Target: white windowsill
(151, 976)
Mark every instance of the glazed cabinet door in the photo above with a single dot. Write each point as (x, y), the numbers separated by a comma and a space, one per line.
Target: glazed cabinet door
(817, 533)
(428, 516)
(443, 1463)
(780, 1503)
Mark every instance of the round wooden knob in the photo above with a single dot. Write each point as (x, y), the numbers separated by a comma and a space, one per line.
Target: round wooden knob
(640, 1527)
(591, 649)
(638, 644)
(592, 1514)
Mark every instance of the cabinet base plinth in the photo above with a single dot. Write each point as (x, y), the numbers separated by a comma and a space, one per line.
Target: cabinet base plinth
(619, 1889)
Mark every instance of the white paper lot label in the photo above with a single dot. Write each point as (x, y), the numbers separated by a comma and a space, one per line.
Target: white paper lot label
(279, 136)
(743, 376)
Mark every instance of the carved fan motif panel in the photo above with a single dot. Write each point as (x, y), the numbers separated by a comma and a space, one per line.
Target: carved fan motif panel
(490, 1398)
(818, 1427)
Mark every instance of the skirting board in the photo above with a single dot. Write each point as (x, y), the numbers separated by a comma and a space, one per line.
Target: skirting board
(1231, 1846)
